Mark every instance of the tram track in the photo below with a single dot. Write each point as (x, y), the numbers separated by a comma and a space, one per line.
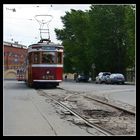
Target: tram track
(111, 105)
(100, 101)
(67, 98)
(100, 129)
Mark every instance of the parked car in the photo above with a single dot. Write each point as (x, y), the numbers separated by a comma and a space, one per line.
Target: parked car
(101, 78)
(115, 78)
(82, 78)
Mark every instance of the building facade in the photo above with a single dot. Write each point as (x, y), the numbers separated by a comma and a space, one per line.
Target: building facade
(14, 56)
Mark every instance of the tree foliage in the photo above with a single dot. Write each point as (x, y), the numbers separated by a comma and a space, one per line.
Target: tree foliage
(104, 36)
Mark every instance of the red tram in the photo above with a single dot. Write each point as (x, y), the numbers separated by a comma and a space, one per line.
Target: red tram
(20, 75)
(44, 61)
(44, 64)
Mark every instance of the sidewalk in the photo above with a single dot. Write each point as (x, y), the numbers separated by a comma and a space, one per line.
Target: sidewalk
(71, 80)
(28, 113)
(130, 83)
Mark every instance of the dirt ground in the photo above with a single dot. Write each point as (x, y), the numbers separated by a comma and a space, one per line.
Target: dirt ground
(114, 120)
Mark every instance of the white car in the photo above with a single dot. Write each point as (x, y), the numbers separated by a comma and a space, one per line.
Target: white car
(101, 78)
(115, 78)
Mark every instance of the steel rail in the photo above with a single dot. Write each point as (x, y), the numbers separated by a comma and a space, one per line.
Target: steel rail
(99, 128)
(109, 104)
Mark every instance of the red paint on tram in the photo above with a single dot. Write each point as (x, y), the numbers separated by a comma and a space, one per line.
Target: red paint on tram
(47, 73)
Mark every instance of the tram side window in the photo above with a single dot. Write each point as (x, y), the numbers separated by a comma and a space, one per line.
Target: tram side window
(59, 58)
(20, 72)
(17, 72)
(30, 58)
(36, 57)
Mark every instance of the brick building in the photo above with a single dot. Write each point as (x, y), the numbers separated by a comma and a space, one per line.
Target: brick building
(14, 56)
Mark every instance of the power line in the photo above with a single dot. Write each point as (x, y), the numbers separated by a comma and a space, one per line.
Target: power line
(21, 18)
(12, 9)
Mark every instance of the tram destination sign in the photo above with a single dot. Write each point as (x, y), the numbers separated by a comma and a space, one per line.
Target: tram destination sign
(48, 47)
(45, 47)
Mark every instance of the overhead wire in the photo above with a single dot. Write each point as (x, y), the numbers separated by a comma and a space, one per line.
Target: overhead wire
(27, 19)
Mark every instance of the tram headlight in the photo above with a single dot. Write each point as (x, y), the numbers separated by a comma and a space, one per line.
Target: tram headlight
(47, 72)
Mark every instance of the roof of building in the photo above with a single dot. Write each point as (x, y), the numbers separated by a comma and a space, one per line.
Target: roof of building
(14, 44)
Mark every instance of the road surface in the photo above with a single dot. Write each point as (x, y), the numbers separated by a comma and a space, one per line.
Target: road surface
(26, 113)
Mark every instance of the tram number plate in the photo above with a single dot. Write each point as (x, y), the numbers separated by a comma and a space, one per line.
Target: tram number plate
(49, 77)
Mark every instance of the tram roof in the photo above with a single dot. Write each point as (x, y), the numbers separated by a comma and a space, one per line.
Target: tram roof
(47, 44)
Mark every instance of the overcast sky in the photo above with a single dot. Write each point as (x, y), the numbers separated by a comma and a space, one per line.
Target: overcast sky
(21, 25)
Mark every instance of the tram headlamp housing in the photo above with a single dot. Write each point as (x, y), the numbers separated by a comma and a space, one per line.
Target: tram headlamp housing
(47, 72)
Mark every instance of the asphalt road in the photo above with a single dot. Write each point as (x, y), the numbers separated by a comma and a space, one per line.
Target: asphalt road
(25, 113)
(122, 93)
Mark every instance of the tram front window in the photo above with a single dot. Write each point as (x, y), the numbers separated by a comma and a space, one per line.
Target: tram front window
(17, 72)
(48, 57)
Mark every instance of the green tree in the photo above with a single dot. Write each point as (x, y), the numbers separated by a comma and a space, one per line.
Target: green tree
(75, 40)
(109, 37)
(130, 28)
(104, 35)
